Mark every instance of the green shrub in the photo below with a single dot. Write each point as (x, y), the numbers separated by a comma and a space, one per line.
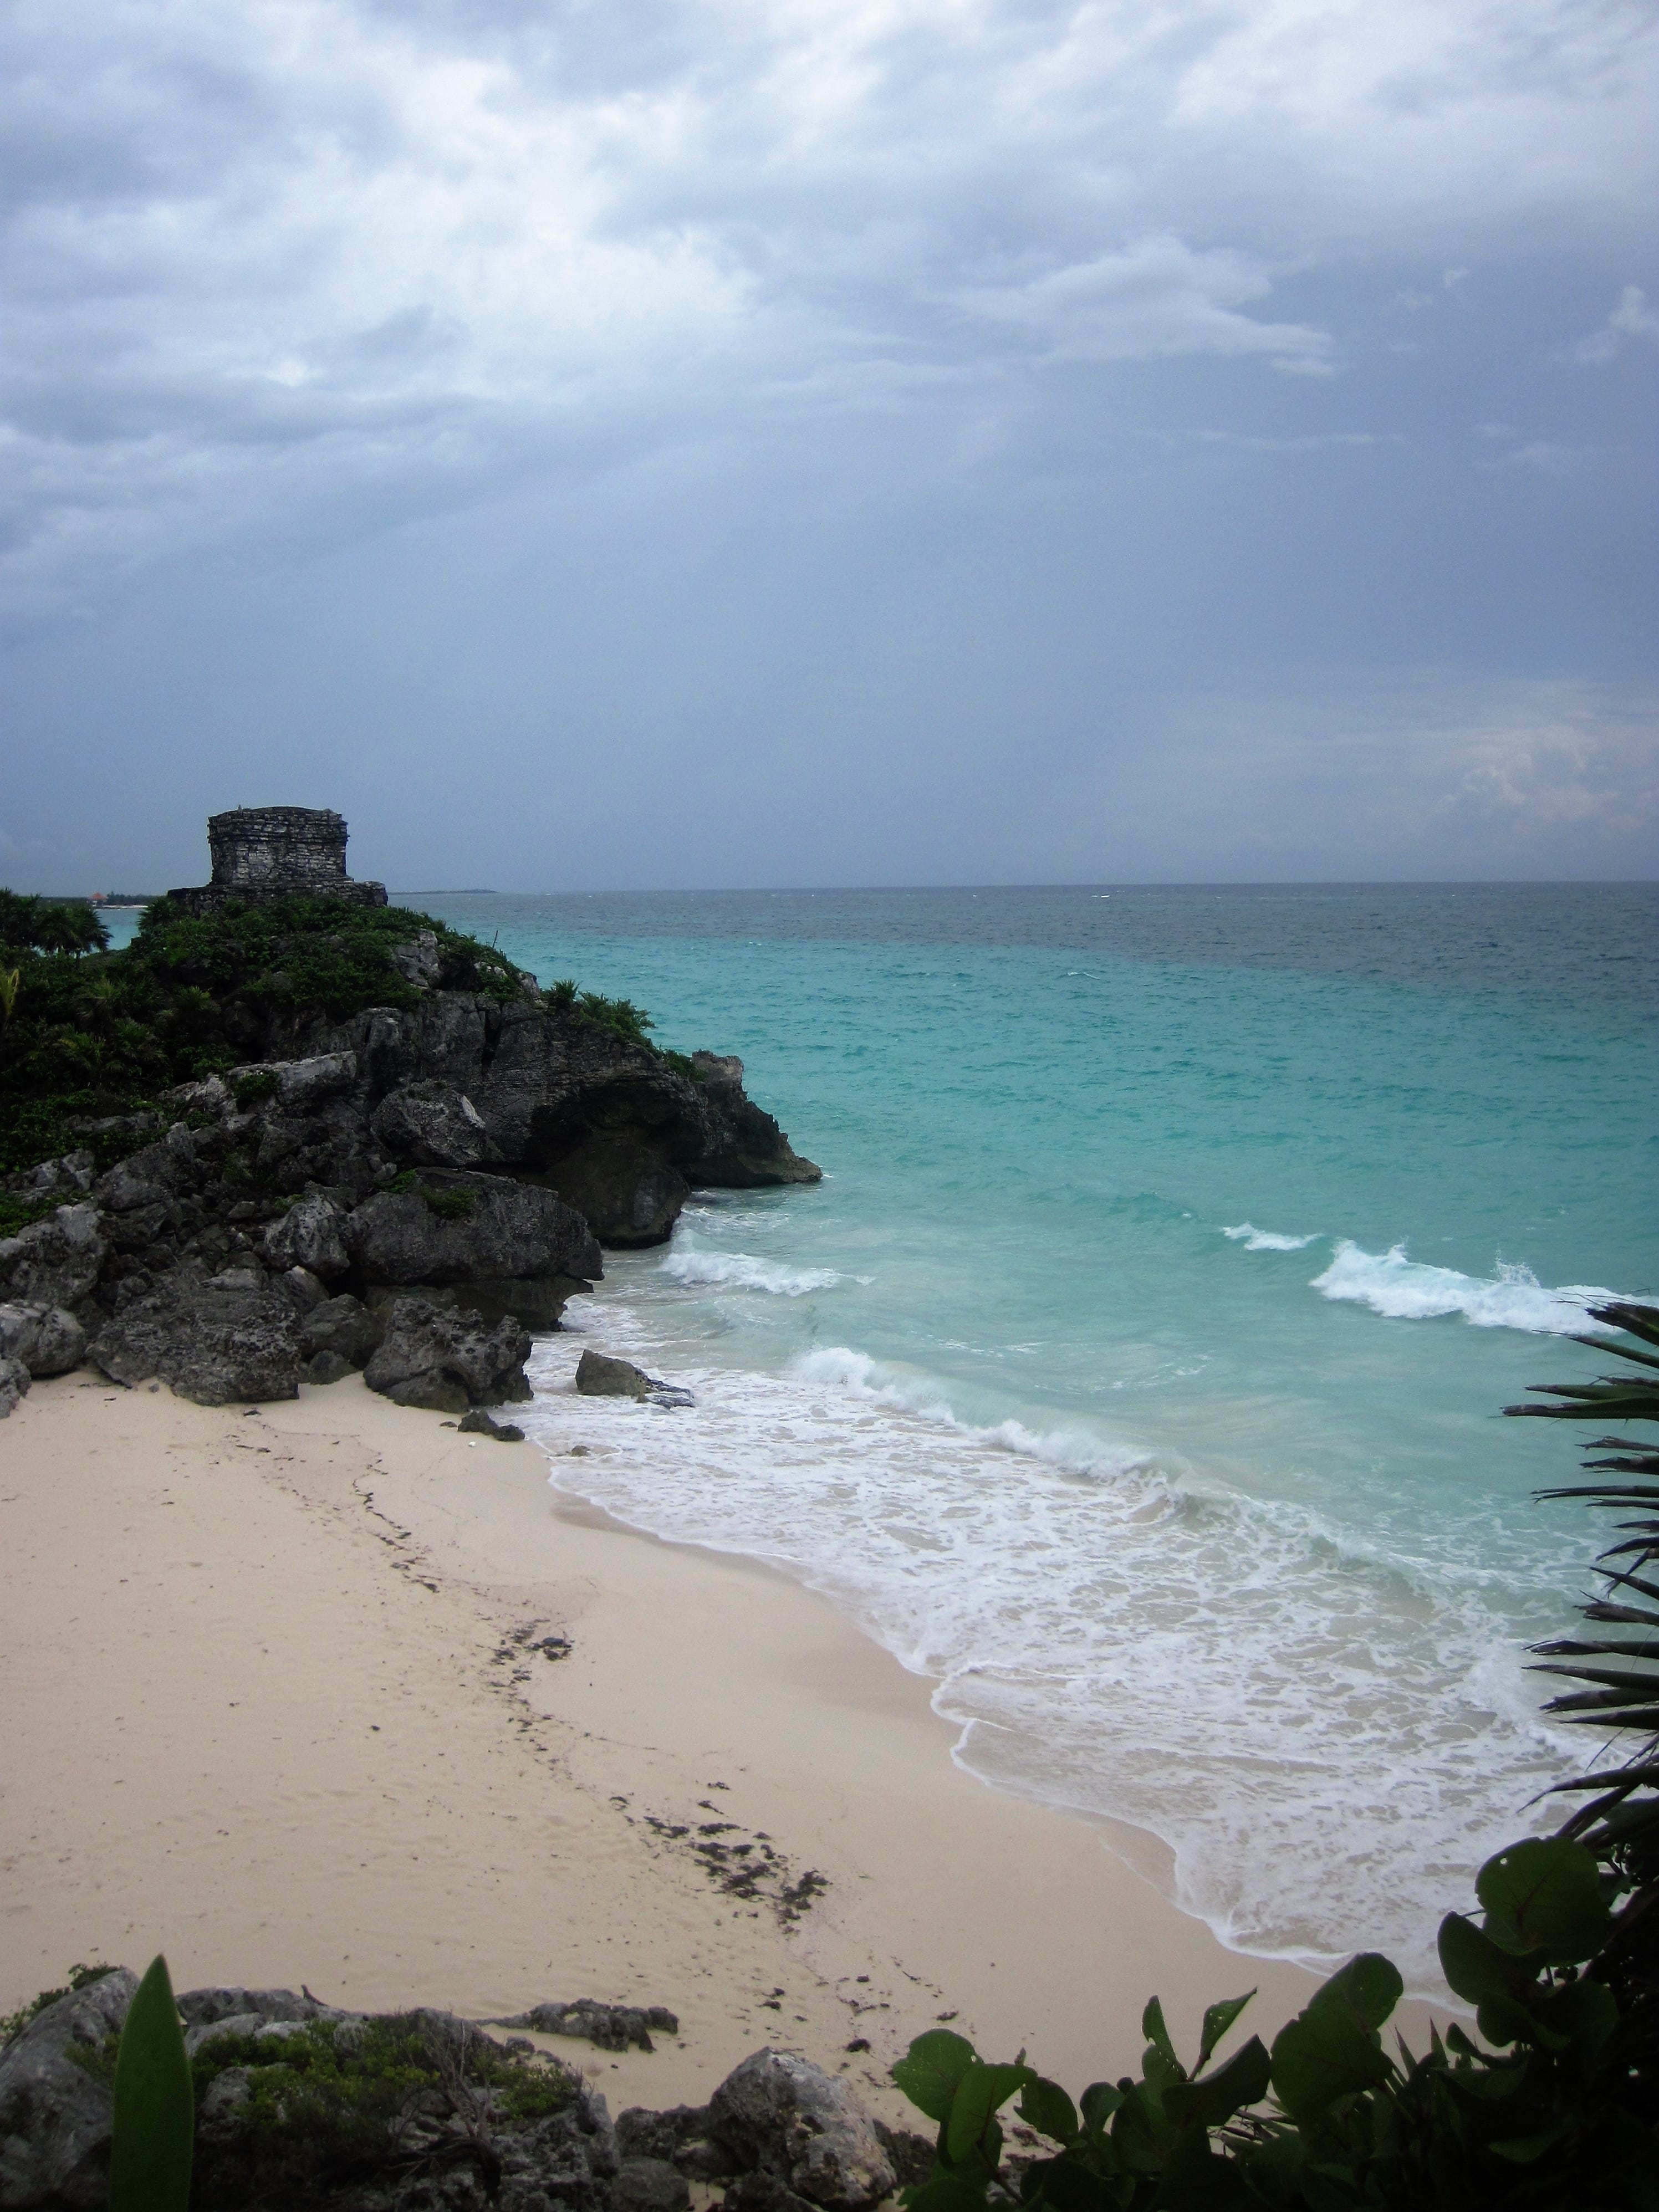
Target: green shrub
(617, 1018)
(17, 1211)
(450, 1204)
(256, 1084)
(334, 2102)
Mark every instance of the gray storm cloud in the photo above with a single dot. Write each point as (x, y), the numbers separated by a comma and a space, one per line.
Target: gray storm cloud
(969, 381)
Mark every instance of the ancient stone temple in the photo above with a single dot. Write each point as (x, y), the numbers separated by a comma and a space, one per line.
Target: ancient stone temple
(278, 852)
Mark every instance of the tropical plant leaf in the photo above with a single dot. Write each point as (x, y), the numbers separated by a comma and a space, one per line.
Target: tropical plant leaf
(154, 2104)
(1211, 2102)
(930, 2070)
(1046, 2107)
(981, 2092)
(1217, 2019)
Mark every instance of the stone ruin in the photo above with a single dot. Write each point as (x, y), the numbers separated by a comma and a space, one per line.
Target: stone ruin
(278, 852)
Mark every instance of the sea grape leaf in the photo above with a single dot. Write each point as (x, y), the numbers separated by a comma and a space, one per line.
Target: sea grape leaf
(1588, 2011)
(1211, 2102)
(1323, 2054)
(155, 2104)
(1158, 2039)
(979, 2093)
(1046, 2107)
(929, 2071)
(1524, 2150)
(1140, 2133)
(1099, 2101)
(1544, 1895)
(1068, 2185)
(947, 2192)
(1218, 2019)
(1196, 2180)
(1475, 1966)
(1369, 1987)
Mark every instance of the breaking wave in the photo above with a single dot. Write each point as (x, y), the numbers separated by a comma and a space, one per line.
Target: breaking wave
(1269, 1240)
(1403, 1288)
(743, 1271)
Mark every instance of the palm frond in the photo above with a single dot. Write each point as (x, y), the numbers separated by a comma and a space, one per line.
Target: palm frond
(1620, 1821)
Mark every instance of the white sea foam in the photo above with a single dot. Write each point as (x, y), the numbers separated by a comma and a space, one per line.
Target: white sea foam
(1328, 1744)
(1404, 1289)
(1269, 1240)
(742, 1271)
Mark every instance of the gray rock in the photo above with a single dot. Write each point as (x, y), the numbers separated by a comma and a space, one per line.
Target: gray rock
(57, 1262)
(303, 1287)
(418, 961)
(680, 2134)
(480, 1423)
(623, 1187)
(599, 1375)
(14, 1379)
(762, 2192)
(326, 1367)
(789, 2119)
(198, 2007)
(305, 1083)
(344, 1326)
(310, 1235)
(47, 1339)
(435, 1125)
(67, 1178)
(650, 2185)
(512, 1229)
(54, 2116)
(229, 1341)
(447, 1359)
(613, 2028)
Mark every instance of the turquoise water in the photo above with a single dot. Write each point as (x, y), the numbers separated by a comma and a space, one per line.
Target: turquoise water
(1134, 1372)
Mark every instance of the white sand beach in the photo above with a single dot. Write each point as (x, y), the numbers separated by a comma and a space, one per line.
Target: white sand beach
(273, 1703)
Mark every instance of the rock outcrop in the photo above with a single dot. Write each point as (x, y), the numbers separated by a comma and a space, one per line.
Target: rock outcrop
(47, 1339)
(54, 2113)
(421, 2111)
(788, 2119)
(447, 1360)
(472, 1150)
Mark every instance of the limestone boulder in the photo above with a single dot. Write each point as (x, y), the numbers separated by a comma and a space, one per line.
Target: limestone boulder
(343, 1328)
(599, 1375)
(48, 1340)
(787, 2118)
(55, 2116)
(14, 1379)
(57, 1262)
(310, 1235)
(630, 1195)
(433, 1123)
(231, 1340)
(448, 1359)
(482, 1228)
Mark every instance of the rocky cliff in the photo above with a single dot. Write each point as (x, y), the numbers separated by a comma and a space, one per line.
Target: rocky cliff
(436, 1172)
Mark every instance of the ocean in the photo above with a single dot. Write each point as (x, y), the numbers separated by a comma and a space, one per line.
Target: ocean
(1133, 1375)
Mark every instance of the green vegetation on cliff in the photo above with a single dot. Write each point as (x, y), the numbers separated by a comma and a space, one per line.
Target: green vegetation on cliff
(93, 1035)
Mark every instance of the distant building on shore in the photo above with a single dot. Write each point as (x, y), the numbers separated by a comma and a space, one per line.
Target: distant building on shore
(278, 852)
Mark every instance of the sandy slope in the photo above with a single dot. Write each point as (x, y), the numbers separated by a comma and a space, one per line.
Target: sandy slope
(262, 1707)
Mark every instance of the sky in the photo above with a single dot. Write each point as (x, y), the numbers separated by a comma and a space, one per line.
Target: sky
(760, 442)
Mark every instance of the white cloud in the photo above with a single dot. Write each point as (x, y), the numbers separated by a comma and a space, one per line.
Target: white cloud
(1155, 297)
(1632, 318)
